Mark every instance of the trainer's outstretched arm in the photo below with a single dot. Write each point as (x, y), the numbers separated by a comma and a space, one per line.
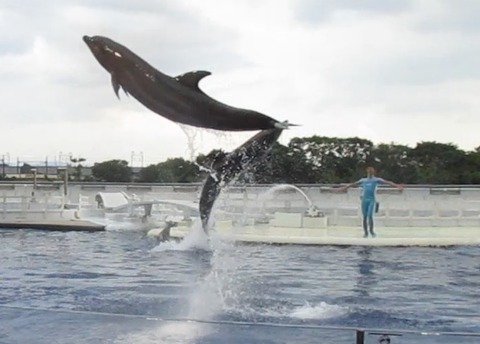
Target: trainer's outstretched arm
(395, 185)
(345, 187)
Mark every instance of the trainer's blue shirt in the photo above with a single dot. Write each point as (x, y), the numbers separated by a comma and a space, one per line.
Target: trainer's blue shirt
(369, 186)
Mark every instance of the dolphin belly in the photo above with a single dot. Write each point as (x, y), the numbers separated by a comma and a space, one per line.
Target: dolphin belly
(187, 107)
(210, 191)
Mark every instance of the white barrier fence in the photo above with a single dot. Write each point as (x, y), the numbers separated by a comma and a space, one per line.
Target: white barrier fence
(415, 206)
(21, 207)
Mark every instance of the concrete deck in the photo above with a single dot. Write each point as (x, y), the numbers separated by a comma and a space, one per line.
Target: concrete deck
(347, 236)
(53, 225)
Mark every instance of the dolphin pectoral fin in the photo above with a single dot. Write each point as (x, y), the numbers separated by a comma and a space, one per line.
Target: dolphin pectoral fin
(115, 85)
(191, 79)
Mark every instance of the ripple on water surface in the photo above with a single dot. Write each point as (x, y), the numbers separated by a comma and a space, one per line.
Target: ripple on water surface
(125, 272)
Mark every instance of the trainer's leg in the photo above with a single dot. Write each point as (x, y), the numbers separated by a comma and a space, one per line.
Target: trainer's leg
(371, 209)
(365, 214)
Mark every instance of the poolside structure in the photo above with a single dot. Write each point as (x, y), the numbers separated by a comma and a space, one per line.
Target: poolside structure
(417, 214)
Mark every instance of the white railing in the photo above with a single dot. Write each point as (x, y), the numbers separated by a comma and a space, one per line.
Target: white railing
(414, 206)
(23, 207)
(356, 335)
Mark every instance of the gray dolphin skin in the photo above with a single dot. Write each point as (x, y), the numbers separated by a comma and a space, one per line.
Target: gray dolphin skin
(228, 166)
(177, 98)
(165, 234)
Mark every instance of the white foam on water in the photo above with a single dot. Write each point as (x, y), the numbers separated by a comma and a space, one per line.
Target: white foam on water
(223, 275)
(322, 310)
(196, 239)
(318, 312)
(203, 305)
(207, 298)
(168, 333)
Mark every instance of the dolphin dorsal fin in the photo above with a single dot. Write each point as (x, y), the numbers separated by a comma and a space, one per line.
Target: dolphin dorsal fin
(191, 79)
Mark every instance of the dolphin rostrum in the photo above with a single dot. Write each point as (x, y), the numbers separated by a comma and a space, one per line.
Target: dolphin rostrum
(227, 166)
(179, 99)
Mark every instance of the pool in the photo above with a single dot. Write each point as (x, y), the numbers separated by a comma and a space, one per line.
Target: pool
(123, 287)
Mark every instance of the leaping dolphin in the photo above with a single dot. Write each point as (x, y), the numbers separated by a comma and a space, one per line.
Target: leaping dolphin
(228, 166)
(179, 99)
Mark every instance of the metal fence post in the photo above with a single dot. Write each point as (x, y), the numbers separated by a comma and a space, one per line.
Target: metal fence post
(360, 336)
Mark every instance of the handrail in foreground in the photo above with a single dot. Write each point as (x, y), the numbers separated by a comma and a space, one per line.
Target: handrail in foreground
(360, 333)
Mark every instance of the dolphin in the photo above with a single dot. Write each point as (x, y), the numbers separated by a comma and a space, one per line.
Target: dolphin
(177, 98)
(165, 233)
(227, 166)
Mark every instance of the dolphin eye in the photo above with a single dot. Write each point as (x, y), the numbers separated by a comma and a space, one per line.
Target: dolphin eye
(108, 49)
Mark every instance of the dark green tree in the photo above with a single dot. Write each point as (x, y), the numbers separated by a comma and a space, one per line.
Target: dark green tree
(149, 174)
(439, 163)
(178, 170)
(285, 165)
(175, 170)
(393, 162)
(334, 159)
(319, 159)
(471, 172)
(26, 168)
(112, 171)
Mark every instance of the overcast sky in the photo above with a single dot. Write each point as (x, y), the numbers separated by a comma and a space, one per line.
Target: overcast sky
(389, 71)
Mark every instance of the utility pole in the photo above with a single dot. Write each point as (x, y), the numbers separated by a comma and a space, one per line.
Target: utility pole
(46, 167)
(77, 166)
(135, 158)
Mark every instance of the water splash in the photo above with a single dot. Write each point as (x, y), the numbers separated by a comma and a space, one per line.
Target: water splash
(192, 134)
(219, 290)
(209, 295)
(259, 210)
(169, 333)
(269, 193)
(227, 288)
(197, 137)
(196, 239)
(321, 311)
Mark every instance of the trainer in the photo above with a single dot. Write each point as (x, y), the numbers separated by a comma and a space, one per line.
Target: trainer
(369, 187)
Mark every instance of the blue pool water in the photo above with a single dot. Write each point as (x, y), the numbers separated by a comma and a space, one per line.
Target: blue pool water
(117, 286)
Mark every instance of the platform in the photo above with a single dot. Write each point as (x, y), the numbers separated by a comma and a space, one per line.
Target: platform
(54, 225)
(346, 236)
